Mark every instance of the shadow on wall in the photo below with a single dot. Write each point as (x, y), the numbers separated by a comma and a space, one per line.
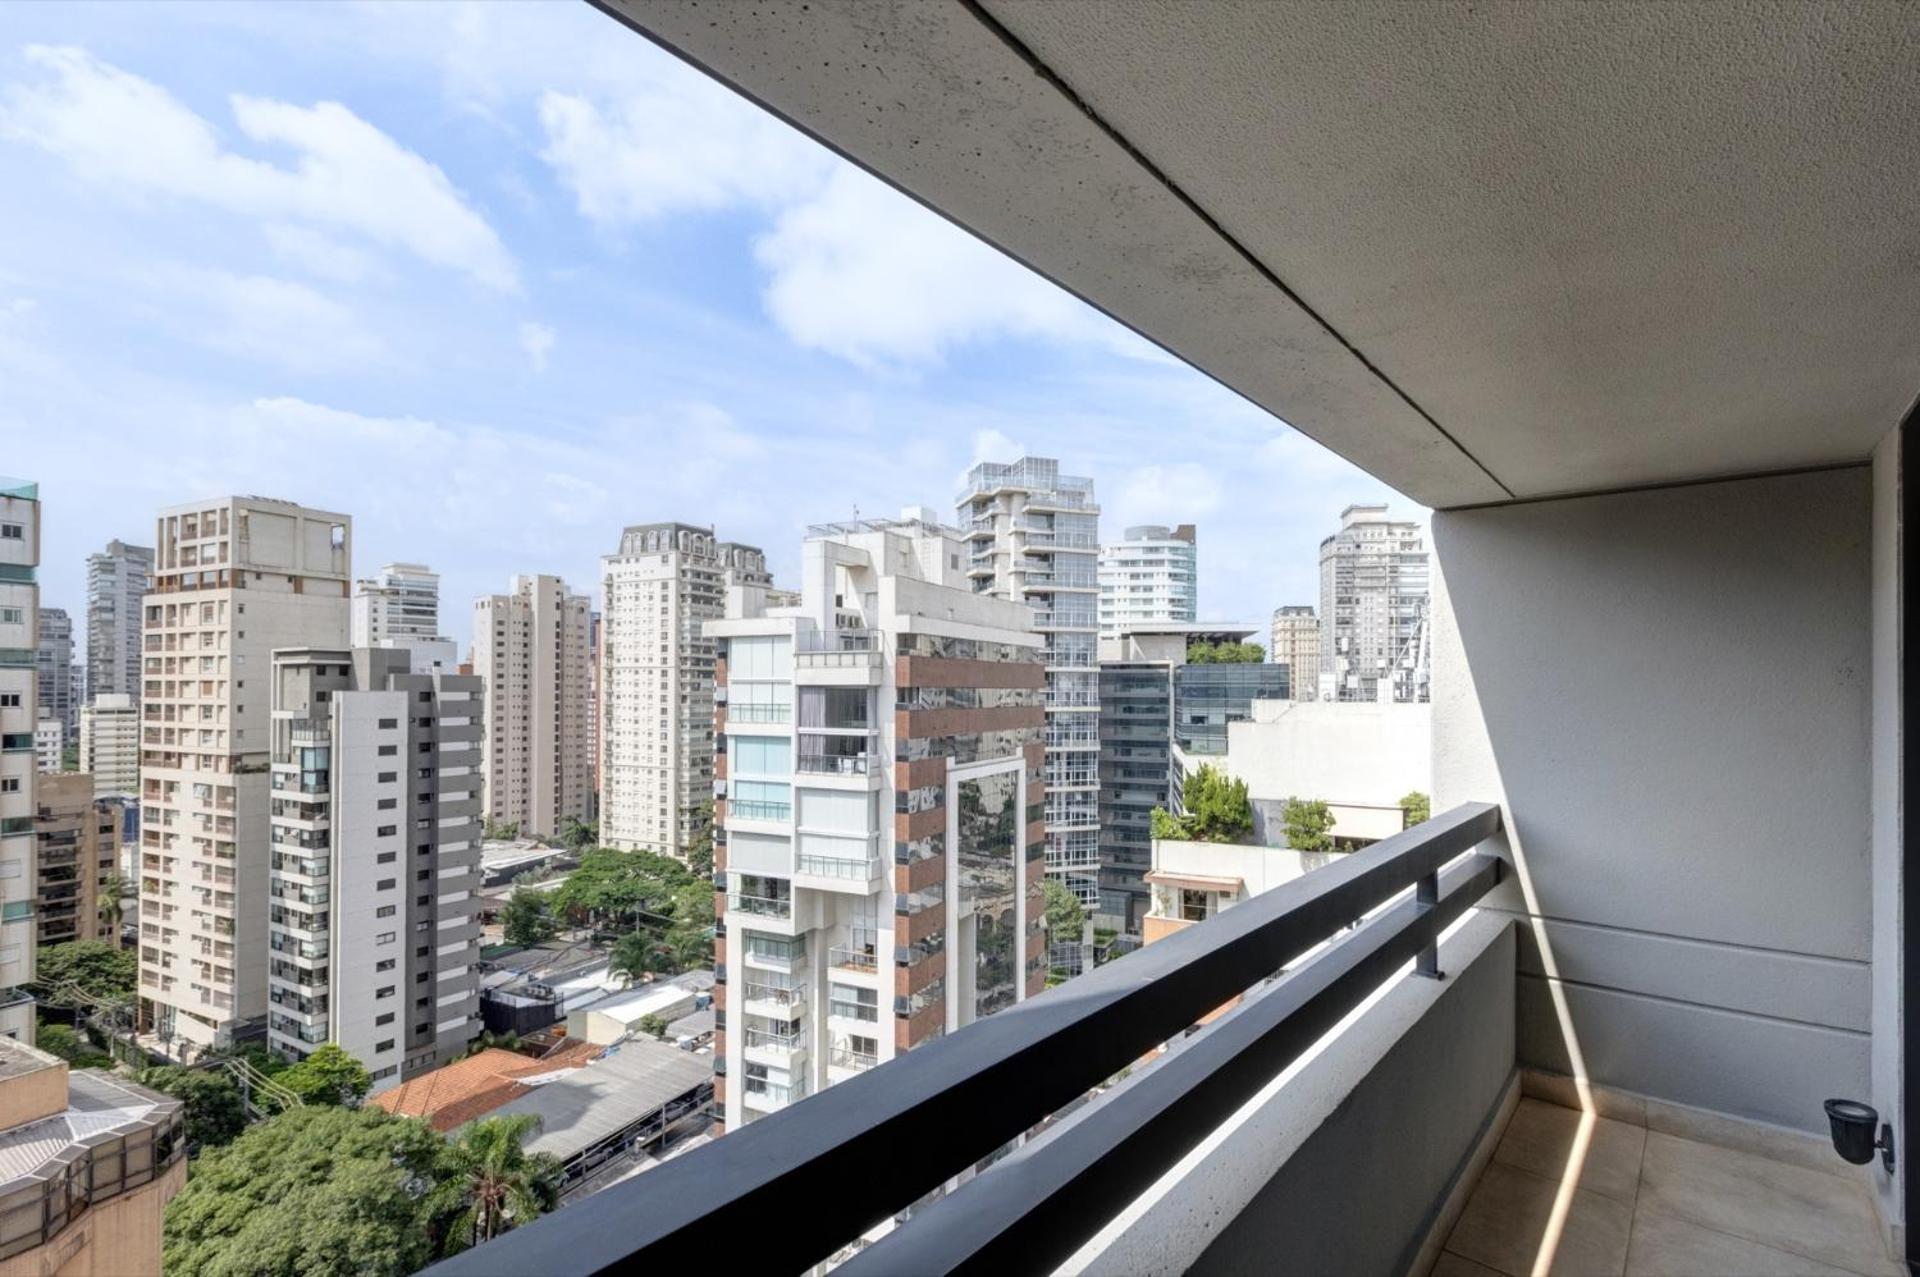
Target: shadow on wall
(1669, 689)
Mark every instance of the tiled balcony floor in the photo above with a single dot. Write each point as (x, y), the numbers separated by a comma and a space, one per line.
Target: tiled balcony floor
(1579, 1195)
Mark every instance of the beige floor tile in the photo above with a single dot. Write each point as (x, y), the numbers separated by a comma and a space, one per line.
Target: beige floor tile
(1667, 1247)
(1795, 1148)
(1505, 1227)
(1452, 1265)
(1824, 1217)
(1542, 1138)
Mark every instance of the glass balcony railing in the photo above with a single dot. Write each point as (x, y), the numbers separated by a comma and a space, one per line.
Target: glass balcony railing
(832, 764)
(742, 712)
(847, 1058)
(855, 868)
(761, 906)
(753, 809)
(779, 1041)
(779, 995)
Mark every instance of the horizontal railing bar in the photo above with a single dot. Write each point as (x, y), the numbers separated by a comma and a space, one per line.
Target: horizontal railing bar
(939, 1109)
(1034, 1209)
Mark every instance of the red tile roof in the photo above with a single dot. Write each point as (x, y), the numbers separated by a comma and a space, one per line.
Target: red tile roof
(457, 1093)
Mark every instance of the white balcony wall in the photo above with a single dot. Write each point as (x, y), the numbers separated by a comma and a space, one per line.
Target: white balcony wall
(1669, 691)
(1888, 812)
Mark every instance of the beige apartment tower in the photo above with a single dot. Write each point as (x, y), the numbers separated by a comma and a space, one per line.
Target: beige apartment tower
(1296, 645)
(233, 579)
(532, 646)
(656, 681)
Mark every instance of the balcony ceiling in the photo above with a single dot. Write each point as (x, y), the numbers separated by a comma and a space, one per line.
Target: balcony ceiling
(1484, 251)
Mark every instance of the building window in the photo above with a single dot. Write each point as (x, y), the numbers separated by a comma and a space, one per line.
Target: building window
(385, 911)
(380, 1020)
(385, 964)
(385, 937)
(383, 1046)
(1194, 904)
(386, 831)
(384, 992)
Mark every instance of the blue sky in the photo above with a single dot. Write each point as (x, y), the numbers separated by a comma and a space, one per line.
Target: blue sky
(498, 279)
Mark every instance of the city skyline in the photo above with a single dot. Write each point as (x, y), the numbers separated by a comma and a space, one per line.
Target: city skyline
(632, 326)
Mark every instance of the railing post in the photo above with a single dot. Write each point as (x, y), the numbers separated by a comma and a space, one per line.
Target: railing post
(1426, 896)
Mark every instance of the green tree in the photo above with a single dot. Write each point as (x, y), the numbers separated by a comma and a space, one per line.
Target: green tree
(1218, 809)
(578, 834)
(113, 907)
(637, 954)
(329, 1076)
(1309, 825)
(80, 973)
(214, 1111)
(1225, 654)
(653, 1026)
(489, 1183)
(1166, 826)
(62, 1040)
(506, 831)
(1418, 808)
(525, 919)
(314, 1192)
(1066, 916)
(700, 849)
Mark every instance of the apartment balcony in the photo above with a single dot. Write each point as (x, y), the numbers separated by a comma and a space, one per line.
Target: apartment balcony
(851, 1061)
(774, 1002)
(1586, 1019)
(779, 1048)
(851, 874)
(770, 907)
(770, 1097)
(741, 712)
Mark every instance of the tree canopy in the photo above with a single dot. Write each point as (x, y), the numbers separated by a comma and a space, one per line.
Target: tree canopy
(1217, 809)
(67, 1043)
(102, 971)
(1225, 654)
(214, 1111)
(329, 1076)
(526, 919)
(313, 1192)
(1309, 825)
(1066, 916)
(638, 893)
(1418, 808)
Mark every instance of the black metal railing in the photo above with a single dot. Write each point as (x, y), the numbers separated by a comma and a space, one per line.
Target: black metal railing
(944, 1107)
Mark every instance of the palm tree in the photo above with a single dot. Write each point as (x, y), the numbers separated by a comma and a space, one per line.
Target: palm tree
(636, 954)
(112, 905)
(491, 1183)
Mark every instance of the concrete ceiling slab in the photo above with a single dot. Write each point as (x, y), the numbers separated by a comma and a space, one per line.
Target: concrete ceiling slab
(1484, 251)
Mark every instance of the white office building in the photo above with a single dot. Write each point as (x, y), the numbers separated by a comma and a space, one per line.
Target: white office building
(110, 745)
(19, 717)
(373, 939)
(234, 580)
(656, 680)
(530, 645)
(1373, 607)
(1149, 578)
(880, 830)
(117, 582)
(400, 608)
(1034, 537)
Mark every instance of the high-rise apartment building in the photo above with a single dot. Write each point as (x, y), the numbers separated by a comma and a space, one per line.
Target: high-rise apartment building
(59, 681)
(117, 582)
(373, 939)
(110, 745)
(1151, 577)
(400, 608)
(1034, 537)
(1373, 604)
(881, 834)
(234, 580)
(1296, 645)
(656, 681)
(76, 842)
(49, 744)
(531, 647)
(595, 639)
(19, 778)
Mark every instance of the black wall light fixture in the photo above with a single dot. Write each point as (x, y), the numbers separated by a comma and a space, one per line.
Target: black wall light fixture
(1854, 1125)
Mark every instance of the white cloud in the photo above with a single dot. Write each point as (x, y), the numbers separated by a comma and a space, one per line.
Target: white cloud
(538, 341)
(319, 254)
(259, 317)
(129, 134)
(1182, 492)
(681, 143)
(862, 272)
